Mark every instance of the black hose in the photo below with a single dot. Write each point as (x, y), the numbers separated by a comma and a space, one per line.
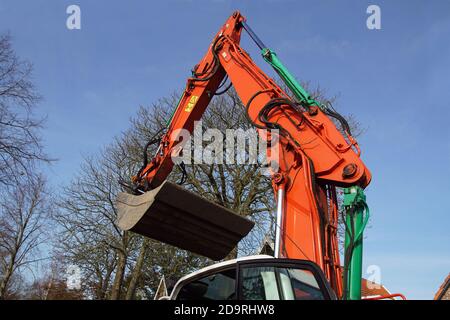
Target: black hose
(182, 167)
(216, 63)
(154, 139)
(224, 90)
(330, 111)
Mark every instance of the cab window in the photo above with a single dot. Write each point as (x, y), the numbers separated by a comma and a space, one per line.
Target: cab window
(217, 286)
(279, 283)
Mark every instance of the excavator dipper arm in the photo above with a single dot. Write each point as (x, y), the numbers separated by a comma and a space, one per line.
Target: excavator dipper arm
(200, 88)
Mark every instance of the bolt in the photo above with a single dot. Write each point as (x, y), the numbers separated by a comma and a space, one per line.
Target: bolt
(277, 178)
(349, 170)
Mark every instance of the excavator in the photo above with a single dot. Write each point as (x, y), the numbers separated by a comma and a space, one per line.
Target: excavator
(315, 158)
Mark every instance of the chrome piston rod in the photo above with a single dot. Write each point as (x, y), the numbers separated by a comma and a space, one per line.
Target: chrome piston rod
(279, 221)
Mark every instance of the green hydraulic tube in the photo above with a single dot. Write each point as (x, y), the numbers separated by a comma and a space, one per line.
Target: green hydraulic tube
(357, 216)
(169, 121)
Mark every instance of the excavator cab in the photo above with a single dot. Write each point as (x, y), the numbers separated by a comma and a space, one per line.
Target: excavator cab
(255, 278)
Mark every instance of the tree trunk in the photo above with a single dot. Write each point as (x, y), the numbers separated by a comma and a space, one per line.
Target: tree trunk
(3, 287)
(118, 279)
(7, 274)
(120, 269)
(137, 271)
(106, 282)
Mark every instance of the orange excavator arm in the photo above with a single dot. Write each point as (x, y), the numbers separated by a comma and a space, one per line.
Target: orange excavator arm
(314, 156)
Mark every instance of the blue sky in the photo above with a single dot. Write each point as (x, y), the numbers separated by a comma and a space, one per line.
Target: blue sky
(394, 80)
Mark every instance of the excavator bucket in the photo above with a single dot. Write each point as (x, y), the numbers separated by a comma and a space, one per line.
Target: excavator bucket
(178, 217)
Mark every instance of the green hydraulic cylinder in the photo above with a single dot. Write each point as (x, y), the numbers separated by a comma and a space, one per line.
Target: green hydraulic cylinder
(357, 216)
(299, 92)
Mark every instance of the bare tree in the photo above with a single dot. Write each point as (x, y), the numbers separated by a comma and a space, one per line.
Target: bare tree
(53, 283)
(111, 259)
(24, 202)
(87, 217)
(20, 142)
(95, 258)
(24, 209)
